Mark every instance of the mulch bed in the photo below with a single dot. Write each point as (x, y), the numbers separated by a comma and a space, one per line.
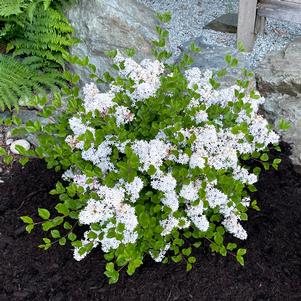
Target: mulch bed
(272, 268)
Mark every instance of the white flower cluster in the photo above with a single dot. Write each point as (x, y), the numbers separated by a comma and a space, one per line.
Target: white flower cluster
(145, 75)
(151, 152)
(211, 145)
(112, 204)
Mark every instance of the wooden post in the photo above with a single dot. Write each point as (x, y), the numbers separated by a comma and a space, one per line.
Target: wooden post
(260, 24)
(246, 23)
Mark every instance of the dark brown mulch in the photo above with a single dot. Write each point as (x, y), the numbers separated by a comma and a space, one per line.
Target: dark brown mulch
(272, 270)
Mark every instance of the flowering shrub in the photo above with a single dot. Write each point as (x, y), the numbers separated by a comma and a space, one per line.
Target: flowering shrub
(153, 166)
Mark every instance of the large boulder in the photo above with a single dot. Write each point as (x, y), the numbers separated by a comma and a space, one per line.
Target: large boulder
(280, 72)
(103, 25)
(278, 106)
(212, 57)
(279, 80)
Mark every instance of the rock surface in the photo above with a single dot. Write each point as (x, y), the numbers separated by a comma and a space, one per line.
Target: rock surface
(224, 23)
(21, 142)
(103, 25)
(280, 72)
(279, 106)
(279, 80)
(213, 58)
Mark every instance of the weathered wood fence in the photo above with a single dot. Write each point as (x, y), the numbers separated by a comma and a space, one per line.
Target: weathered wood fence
(252, 15)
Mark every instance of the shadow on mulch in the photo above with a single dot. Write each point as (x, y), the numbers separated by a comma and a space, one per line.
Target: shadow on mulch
(272, 264)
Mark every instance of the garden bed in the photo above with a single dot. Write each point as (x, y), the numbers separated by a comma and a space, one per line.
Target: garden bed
(272, 264)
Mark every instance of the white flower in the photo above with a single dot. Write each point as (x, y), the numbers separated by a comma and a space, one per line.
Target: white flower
(190, 191)
(100, 156)
(232, 225)
(163, 182)
(133, 188)
(123, 115)
(161, 254)
(200, 221)
(244, 176)
(182, 158)
(201, 116)
(168, 225)
(126, 215)
(78, 127)
(215, 197)
(146, 76)
(95, 211)
(196, 160)
(171, 200)
(151, 152)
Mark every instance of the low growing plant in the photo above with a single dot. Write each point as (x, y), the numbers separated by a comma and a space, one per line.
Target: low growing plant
(155, 165)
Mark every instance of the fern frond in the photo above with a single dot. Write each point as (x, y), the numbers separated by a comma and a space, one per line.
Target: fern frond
(18, 80)
(47, 35)
(11, 7)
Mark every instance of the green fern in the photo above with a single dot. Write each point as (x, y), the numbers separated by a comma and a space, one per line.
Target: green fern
(19, 81)
(11, 7)
(38, 35)
(47, 35)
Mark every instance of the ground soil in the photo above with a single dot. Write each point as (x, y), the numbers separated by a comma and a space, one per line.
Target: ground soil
(271, 272)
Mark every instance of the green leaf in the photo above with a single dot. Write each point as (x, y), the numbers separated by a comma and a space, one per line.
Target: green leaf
(2, 151)
(8, 159)
(110, 266)
(72, 236)
(266, 166)
(284, 125)
(46, 240)
(130, 52)
(241, 260)
(109, 256)
(62, 241)
(264, 157)
(243, 216)
(55, 234)
(192, 259)
(186, 252)
(218, 238)
(29, 228)
(197, 244)
(67, 226)
(228, 58)
(111, 273)
(222, 73)
(194, 48)
(26, 219)
(241, 252)
(44, 213)
(276, 163)
(177, 258)
(111, 54)
(188, 266)
(62, 208)
(254, 205)
(23, 161)
(240, 46)
(76, 244)
(231, 246)
(164, 17)
(133, 265)
(47, 225)
(234, 62)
